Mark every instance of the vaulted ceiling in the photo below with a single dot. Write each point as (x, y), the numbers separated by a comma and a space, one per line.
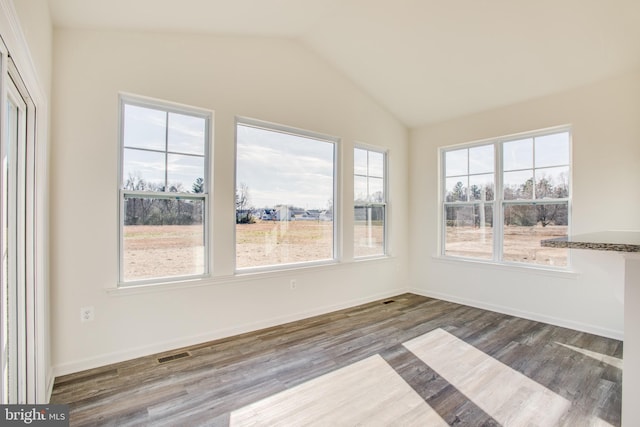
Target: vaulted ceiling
(424, 60)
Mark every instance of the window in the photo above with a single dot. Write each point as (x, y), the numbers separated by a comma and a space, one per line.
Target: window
(285, 192)
(163, 191)
(501, 198)
(369, 189)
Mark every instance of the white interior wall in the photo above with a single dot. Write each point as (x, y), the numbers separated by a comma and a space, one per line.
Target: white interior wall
(269, 79)
(606, 148)
(35, 22)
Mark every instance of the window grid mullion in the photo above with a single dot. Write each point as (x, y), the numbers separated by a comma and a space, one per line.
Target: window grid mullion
(151, 150)
(166, 152)
(164, 195)
(498, 207)
(468, 172)
(368, 177)
(534, 196)
(535, 202)
(443, 198)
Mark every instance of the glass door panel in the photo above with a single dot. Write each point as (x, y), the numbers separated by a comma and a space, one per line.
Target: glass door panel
(12, 245)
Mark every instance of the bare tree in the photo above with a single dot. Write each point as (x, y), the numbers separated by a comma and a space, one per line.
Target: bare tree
(243, 211)
(137, 209)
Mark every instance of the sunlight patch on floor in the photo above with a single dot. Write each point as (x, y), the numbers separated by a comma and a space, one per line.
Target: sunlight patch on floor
(609, 360)
(505, 394)
(368, 392)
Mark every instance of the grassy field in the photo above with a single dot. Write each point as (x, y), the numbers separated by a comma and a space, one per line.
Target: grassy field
(368, 241)
(283, 242)
(172, 250)
(176, 250)
(521, 244)
(152, 251)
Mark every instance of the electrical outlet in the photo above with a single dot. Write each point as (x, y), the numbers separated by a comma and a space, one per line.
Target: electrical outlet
(87, 314)
(293, 284)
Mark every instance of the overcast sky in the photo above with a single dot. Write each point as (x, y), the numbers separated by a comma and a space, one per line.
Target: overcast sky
(284, 169)
(148, 133)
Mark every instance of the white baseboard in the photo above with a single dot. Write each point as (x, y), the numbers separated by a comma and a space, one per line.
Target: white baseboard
(174, 344)
(120, 356)
(556, 321)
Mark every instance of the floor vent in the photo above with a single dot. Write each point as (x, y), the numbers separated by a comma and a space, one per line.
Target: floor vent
(389, 301)
(174, 357)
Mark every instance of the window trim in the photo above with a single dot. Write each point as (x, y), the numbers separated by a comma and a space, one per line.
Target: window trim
(384, 204)
(169, 107)
(337, 168)
(498, 201)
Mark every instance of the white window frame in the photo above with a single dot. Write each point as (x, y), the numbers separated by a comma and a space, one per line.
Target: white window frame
(168, 107)
(23, 216)
(14, 219)
(384, 204)
(274, 127)
(499, 202)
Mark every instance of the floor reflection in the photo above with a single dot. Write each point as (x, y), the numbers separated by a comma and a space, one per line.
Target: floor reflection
(368, 392)
(505, 394)
(609, 360)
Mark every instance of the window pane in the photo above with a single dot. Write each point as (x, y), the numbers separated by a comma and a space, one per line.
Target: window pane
(360, 189)
(456, 189)
(184, 172)
(518, 185)
(369, 221)
(526, 225)
(186, 134)
(456, 162)
(481, 187)
(359, 161)
(518, 154)
(144, 128)
(376, 164)
(376, 190)
(469, 231)
(143, 170)
(481, 159)
(163, 238)
(552, 150)
(279, 241)
(286, 175)
(368, 231)
(552, 183)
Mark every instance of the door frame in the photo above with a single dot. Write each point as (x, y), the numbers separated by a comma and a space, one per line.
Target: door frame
(18, 63)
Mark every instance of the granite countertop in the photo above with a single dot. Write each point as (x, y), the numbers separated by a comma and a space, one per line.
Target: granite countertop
(619, 241)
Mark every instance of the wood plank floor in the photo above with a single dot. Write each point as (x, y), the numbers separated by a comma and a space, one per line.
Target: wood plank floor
(417, 360)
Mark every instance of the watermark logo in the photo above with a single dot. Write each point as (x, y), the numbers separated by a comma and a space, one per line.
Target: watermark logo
(34, 415)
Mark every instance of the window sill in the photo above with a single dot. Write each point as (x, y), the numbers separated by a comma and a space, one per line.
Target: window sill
(516, 268)
(371, 258)
(284, 268)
